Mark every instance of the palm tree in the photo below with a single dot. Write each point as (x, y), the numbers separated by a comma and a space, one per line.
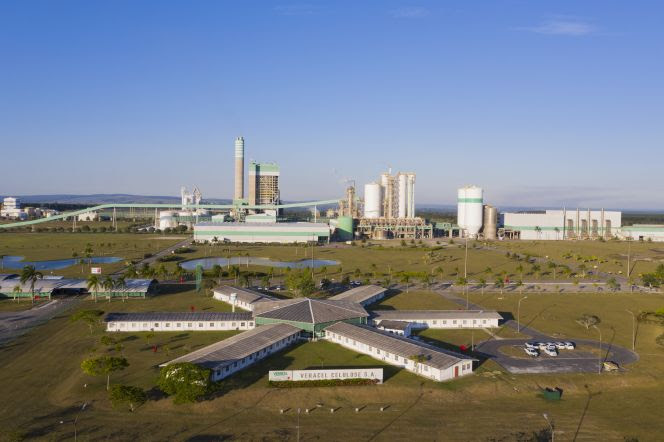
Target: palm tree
(93, 284)
(121, 284)
(463, 282)
(499, 283)
(235, 272)
(519, 269)
(88, 253)
(482, 285)
(553, 266)
(405, 279)
(108, 284)
(18, 289)
(30, 274)
(440, 272)
(130, 271)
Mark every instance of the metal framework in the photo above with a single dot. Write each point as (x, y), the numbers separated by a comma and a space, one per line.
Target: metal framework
(401, 228)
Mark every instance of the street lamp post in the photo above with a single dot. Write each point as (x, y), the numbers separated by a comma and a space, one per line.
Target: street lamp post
(599, 368)
(633, 328)
(546, 417)
(518, 314)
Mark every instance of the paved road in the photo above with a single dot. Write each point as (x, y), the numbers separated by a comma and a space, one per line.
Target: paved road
(15, 324)
(166, 251)
(575, 361)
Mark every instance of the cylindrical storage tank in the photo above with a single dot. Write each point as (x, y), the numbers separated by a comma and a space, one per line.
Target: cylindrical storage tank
(410, 206)
(490, 222)
(167, 219)
(373, 200)
(345, 228)
(470, 210)
(403, 195)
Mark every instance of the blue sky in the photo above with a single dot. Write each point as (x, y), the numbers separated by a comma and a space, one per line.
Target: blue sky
(542, 103)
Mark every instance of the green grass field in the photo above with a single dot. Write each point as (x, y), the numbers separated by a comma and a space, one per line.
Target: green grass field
(42, 384)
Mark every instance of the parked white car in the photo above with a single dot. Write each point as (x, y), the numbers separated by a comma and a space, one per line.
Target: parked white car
(551, 351)
(570, 345)
(531, 352)
(560, 345)
(532, 345)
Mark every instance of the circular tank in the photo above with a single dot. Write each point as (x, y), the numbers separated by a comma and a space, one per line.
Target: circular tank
(490, 222)
(345, 228)
(470, 209)
(167, 219)
(373, 200)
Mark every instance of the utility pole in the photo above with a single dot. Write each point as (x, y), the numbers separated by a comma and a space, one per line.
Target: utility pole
(518, 314)
(633, 328)
(599, 368)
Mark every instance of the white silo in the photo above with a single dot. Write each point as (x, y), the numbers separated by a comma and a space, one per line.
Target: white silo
(410, 206)
(403, 195)
(373, 200)
(470, 209)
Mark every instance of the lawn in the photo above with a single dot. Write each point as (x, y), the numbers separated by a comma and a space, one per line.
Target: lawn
(414, 300)
(45, 364)
(50, 246)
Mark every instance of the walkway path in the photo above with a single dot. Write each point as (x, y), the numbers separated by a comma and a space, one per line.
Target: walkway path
(15, 324)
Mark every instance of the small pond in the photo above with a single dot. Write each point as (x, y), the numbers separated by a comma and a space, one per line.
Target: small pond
(208, 263)
(16, 262)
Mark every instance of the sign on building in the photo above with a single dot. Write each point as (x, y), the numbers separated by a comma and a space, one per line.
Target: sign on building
(316, 375)
(95, 270)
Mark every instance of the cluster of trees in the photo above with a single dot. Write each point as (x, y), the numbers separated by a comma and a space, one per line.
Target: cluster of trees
(654, 279)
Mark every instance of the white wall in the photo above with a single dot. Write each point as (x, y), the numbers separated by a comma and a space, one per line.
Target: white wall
(253, 358)
(165, 326)
(446, 323)
(421, 369)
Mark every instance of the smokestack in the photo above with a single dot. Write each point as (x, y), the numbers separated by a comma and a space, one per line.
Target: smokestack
(239, 168)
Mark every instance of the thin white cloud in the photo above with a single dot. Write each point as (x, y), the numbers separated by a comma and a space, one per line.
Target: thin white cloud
(296, 9)
(568, 27)
(409, 12)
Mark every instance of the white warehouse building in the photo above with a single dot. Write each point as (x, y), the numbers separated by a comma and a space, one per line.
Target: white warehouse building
(422, 359)
(561, 224)
(440, 318)
(261, 232)
(173, 321)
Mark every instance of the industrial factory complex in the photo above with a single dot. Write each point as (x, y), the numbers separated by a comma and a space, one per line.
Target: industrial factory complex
(386, 210)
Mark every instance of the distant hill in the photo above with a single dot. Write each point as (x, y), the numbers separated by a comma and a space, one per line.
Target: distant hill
(120, 198)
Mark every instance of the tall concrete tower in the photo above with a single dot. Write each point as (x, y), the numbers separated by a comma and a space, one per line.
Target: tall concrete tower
(239, 168)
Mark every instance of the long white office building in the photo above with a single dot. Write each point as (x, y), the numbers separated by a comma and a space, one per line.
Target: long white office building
(175, 321)
(261, 232)
(363, 295)
(240, 351)
(561, 224)
(440, 318)
(421, 359)
(245, 299)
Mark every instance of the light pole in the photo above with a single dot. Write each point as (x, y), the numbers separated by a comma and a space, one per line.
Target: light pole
(518, 314)
(599, 368)
(546, 417)
(85, 404)
(633, 328)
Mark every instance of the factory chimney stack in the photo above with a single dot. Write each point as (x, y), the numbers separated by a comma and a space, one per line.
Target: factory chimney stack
(239, 168)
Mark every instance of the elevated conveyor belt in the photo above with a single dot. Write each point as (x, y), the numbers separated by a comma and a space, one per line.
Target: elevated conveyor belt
(166, 206)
